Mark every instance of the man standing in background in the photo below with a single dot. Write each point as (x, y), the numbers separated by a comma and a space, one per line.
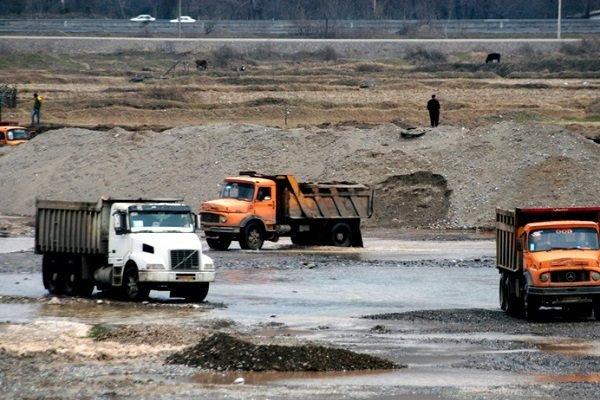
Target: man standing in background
(434, 111)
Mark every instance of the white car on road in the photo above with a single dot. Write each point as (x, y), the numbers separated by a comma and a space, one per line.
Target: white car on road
(184, 19)
(143, 18)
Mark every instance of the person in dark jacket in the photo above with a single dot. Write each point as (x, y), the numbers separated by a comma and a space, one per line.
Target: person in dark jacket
(433, 105)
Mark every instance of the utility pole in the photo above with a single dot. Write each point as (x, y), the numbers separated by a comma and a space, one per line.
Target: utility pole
(559, 19)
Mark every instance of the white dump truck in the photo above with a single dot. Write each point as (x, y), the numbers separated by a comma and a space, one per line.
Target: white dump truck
(125, 246)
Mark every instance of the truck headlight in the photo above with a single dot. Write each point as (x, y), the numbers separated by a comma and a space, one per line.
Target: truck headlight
(544, 278)
(596, 276)
(155, 266)
(209, 266)
(222, 219)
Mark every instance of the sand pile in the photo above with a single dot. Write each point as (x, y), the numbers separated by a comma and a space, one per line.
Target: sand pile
(449, 177)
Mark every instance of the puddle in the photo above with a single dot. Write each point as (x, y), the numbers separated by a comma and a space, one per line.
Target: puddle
(574, 378)
(419, 377)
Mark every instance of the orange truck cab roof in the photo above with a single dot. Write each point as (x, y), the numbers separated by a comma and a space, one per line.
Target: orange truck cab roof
(248, 179)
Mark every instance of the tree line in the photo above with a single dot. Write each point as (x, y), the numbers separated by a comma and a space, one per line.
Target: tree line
(299, 9)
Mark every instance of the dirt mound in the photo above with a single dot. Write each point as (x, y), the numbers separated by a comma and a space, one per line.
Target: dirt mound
(224, 352)
(421, 198)
(450, 177)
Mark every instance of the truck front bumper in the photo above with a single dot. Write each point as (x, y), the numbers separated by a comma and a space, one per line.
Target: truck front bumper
(222, 229)
(564, 296)
(562, 292)
(175, 277)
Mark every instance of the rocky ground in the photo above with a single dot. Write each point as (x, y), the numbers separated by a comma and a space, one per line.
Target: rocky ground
(555, 357)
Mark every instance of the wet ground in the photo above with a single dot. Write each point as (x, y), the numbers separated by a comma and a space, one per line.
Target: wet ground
(429, 304)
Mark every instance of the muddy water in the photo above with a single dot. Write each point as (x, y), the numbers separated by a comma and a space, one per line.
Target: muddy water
(318, 301)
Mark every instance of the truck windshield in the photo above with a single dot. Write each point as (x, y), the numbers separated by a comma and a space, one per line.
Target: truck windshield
(18, 134)
(235, 190)
(160, 221)
(563, 238)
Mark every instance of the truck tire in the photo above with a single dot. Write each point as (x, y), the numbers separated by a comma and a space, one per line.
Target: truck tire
(251, 237)
(530, 306)
(131, 288)
(221, 243)
(503, 293)
(73, 280)
(51, 274)
(596, 307)
(196, 293)
(514, 307)
(341, 235)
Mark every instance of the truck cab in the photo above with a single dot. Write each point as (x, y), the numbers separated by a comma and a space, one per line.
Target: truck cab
(242, 201)
(549, 258)
(561, 254)
(11, 135)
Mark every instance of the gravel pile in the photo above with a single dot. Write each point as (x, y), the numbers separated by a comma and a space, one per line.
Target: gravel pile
(223, 352)
(448, 177)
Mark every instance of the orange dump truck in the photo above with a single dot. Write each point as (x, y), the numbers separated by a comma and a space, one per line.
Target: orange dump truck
(11, 135)
(548, 257)
(255, 207)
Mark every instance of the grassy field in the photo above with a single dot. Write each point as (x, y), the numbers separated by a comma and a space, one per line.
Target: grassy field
(308, 89)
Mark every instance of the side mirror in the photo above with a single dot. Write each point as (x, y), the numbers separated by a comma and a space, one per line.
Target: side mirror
(260, 196)
(119, 223)
(196, 218)
(520, 244)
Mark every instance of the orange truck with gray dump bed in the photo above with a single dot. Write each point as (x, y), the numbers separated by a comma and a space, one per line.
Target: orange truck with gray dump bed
(548, 257)
(255, 207)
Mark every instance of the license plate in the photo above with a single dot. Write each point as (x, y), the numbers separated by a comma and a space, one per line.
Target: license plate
(185, 277)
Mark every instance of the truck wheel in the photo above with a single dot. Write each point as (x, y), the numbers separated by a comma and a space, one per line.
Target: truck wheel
(51, 274)
(196, 293)
(252, 237)
(596, 307)
(72, 277)
(513, 305)
(503, 293)
(131, 288)
(530, 307)
(341, 235)
(222, 243)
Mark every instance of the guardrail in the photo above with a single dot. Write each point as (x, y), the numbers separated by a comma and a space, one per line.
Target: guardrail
(302, 28)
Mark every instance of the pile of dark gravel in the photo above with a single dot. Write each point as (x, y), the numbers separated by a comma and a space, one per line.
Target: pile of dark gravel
(223, 352)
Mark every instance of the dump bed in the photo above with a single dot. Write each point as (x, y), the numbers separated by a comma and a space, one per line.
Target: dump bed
(71, 227)
(509, 221)
(327, 200)
(331, 200)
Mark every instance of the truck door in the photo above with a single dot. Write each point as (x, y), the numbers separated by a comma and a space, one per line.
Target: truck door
(265, 204)
(118, 239)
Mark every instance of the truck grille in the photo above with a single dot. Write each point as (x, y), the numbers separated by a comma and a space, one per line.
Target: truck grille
(185, 259)
(570, 276)
(209, 217)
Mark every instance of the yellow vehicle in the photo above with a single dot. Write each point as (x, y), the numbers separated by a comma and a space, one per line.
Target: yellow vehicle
(11, 135)
(256, 207)
(548, 257)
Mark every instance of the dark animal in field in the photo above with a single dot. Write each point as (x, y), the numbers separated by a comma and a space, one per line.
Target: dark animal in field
(492, 57)
(201, 64)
